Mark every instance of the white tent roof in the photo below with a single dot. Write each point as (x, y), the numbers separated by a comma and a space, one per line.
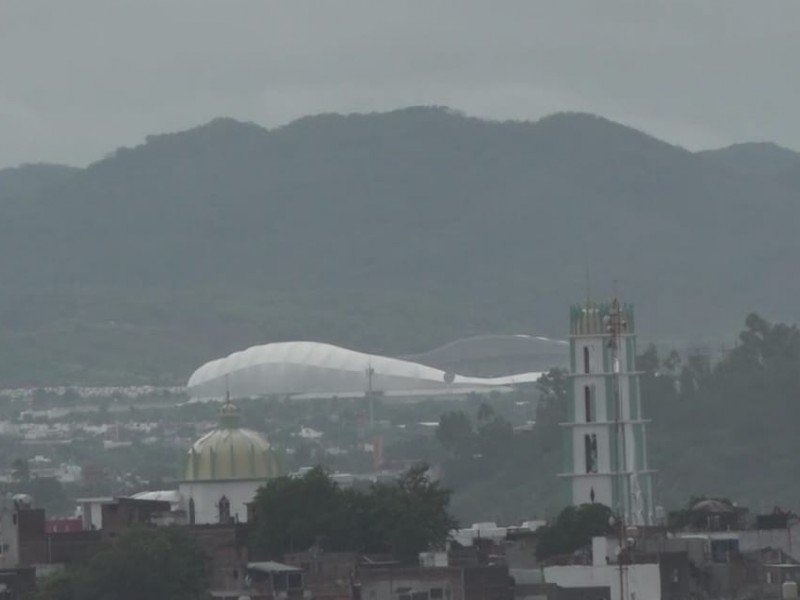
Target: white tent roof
(173, 496)
(313, 368)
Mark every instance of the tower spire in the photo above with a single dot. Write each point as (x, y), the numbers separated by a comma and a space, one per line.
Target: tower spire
(588, 288)
(228, 412)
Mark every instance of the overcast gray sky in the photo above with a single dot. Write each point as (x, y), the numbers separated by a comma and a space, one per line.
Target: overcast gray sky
(79, 78)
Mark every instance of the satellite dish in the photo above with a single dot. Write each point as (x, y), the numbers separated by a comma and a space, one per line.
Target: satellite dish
(449, 377)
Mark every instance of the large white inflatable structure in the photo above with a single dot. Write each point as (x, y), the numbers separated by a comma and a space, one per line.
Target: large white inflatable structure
(314, 369)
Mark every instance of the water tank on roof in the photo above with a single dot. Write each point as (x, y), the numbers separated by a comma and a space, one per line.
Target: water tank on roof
(22, 501)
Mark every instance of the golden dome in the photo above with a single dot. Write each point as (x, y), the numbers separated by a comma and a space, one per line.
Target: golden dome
(231, 452)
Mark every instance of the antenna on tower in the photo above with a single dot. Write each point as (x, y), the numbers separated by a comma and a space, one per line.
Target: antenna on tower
(370, 372)
(588, 288)
(227, 390)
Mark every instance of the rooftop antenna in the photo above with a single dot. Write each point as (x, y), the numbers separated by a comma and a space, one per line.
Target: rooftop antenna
(588, 288)
(370, 372)
(227, 390)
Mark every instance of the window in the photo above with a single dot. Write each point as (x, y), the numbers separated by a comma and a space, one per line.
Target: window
(590, 452)
(721, 550)
(587, 403)
(279, 582)
(295, 581)
(191, 511)
(224, 508)
(586, 359)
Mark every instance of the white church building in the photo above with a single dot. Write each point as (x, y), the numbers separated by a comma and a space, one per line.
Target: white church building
(222, 472)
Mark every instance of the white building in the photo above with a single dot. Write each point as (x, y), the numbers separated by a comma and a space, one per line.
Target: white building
(605, 443)
(641, 581)
(224, 469)
(221, 474)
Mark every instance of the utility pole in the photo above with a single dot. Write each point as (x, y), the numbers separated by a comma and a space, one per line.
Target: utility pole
(370, 372)
(615, 326)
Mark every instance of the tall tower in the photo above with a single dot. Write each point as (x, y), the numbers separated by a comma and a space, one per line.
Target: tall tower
(605, 457)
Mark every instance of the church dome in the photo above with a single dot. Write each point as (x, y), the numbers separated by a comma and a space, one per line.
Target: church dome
(231, 452)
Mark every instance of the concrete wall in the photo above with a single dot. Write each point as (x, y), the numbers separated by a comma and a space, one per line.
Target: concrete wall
(641, 582)
(92, 511)
(469, 583)
(226, 546)
(381, 584)
(582, 486)
(207, 494)
(787, 540)
(9, 540)
(126, 512)
(752, 540)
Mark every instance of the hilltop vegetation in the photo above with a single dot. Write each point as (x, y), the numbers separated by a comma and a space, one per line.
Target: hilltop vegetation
(390, 232)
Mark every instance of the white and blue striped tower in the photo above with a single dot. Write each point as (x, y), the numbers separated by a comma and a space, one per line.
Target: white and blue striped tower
(605, 449)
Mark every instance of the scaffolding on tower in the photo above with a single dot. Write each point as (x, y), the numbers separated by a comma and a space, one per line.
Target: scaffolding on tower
(616, 325)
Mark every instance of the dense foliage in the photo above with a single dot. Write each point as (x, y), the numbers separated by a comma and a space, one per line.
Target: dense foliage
(727, 428)
(389, 232)
(574, 529)
(487, 454)
(152, 563)
(401, 518)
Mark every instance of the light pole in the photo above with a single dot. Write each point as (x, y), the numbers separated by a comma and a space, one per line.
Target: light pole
(619, 521)
(370, 372)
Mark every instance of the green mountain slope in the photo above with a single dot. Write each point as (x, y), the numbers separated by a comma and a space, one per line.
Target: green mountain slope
(391, 232)
(28, 181)
(756, 158)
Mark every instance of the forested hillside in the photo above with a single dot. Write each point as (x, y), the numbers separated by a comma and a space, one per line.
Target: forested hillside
(392, 232)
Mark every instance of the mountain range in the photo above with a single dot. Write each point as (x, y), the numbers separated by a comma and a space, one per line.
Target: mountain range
(388, 232)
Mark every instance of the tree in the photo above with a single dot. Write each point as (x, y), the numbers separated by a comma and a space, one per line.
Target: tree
(553, 385)
(456, 434)
(20, 470)
(295, 513)
(522, 462)
(573, 529)
(495, 434)
(695, 374)
(410, 515)
(152, 563)
(48, 493)
(403, 517)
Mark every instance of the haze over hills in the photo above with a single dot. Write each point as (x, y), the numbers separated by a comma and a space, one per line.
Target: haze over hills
(757, 158)
(393, 232)
(28, 181)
